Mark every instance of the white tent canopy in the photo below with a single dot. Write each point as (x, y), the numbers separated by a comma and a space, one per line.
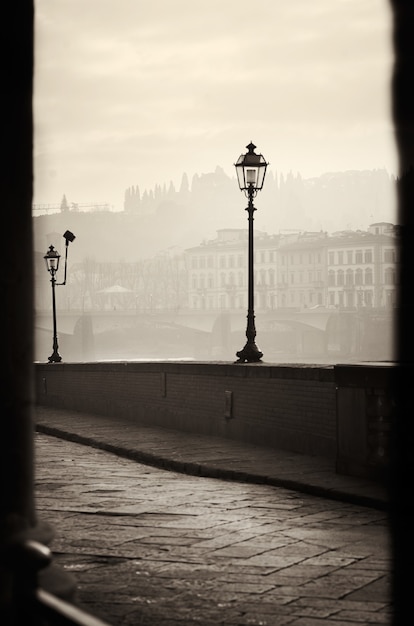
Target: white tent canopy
(115, 289)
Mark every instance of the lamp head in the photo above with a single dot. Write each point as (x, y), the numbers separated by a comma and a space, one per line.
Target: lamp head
(52, 258)
(251, 170)
(68, 236)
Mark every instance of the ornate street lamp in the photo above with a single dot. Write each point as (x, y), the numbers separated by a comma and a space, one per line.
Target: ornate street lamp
(52, 258)
(251, 171)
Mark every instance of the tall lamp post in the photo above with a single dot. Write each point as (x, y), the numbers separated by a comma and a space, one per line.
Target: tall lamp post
(251, 171)
(52, 258)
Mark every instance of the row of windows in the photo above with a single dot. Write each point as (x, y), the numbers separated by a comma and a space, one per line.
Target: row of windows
(359, 277)
(297, 298)
(341, 257)
(301, 277)
(262, 277)
(360, 298)
(353, 257)
(350, 257)
(268, 278)
(301, 259)
(230, 261)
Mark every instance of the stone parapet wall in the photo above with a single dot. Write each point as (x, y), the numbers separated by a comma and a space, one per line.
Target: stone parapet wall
(291, 407)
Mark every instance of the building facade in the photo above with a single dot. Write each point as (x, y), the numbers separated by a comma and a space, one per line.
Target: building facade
(362, 268)
(348, 269)
(217, 271)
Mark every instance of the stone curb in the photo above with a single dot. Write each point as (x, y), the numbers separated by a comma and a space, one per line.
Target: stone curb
(211, 471)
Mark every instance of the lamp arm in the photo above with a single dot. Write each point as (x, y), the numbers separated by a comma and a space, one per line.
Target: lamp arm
(66, 262)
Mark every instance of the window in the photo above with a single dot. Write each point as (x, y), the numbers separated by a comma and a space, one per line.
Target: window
(331, 258)
(340, 278)
(358, 256)
(331, 278)
(340, 258)
(368, 298)
(389, 255)
(389, 276)
(194, 263)
(368, 276)
(240, 260)
(358, 277)
(368, 256)
(210, 261)
(349, 280)
(349, 256)
(349, 298)
(210, 281)
(222, 261)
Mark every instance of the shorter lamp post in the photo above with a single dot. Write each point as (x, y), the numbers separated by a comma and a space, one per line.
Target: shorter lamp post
(251, 170)
(52, 258)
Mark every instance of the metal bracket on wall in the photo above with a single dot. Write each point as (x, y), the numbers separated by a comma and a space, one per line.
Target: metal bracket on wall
(228, 404)
(163, 376)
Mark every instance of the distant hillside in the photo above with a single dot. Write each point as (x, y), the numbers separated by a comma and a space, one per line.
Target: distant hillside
(159, 219)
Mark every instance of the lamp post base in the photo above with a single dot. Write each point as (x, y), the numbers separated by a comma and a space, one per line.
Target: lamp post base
(249, 354)
(55, 358)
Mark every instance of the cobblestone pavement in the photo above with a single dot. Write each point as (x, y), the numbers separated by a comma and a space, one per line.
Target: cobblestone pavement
(154, 547)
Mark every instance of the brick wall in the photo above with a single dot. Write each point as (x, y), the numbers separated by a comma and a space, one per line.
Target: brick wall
(290, 407)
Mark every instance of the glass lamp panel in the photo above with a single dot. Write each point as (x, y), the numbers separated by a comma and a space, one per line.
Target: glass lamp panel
(251, 169)
(52, 259)
(53, 263)
(261, 172)
(240, 172)
(251, 176)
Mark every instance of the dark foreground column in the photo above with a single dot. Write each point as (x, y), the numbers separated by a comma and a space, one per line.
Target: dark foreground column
(402, 456)
(16, 456)
(18, 522)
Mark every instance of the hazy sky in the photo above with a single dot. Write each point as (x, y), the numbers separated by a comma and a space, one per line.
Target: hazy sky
(130, 92)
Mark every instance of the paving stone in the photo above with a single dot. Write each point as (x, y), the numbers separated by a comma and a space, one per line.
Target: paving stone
(149, 546)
